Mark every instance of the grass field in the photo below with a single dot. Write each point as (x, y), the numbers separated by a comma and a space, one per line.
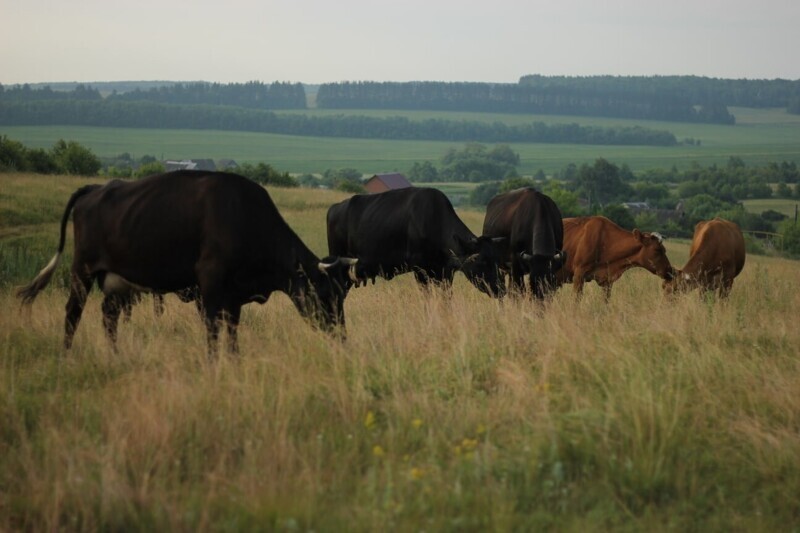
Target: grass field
(781, 205)
(439, 413)
(760, 136)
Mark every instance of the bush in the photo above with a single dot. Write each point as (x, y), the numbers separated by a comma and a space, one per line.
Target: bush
(74, 159)
(12, 155)
(791, 237)
(148, 169)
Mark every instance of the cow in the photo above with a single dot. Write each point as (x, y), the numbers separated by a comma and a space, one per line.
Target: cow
(716, 257)
(172, 232)
(414, 230)
(600, 250)
(531, 224)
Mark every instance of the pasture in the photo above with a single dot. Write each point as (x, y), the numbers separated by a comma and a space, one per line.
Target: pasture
(760, 136)
(454, 413)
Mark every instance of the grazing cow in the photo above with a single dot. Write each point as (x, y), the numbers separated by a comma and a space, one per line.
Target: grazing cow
(531, 223)
(716, 257)
(599, 250)
(412, 230)
(176, 231)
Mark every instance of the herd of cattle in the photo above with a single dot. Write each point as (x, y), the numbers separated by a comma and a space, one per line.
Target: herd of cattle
(218, 239)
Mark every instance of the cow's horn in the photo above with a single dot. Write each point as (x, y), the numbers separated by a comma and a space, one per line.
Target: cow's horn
(323, 267)
(658, 236)
(557, 257)
(498, 239)
(352, 273)
(525, 256)
(349, 261)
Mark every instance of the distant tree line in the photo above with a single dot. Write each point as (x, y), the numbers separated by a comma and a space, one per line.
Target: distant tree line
(140, 114)
(529, 96)
(697, 90)
(251, 95)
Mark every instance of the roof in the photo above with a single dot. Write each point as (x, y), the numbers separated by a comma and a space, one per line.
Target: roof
(392, 181)
(190, 164)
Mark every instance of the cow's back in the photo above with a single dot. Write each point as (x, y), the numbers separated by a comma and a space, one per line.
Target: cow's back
(717, 248)
(387, 223)
(529, 219)
(155, 230)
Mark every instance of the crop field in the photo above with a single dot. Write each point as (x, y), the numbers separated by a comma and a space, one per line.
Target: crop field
(439, 412)
(760, 136)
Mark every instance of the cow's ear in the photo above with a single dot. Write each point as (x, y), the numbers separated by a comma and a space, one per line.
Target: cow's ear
(637, 234)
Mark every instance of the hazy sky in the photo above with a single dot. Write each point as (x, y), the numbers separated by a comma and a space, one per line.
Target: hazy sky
(315, 41)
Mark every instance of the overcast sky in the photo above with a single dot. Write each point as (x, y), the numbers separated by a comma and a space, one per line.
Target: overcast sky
(316, 41)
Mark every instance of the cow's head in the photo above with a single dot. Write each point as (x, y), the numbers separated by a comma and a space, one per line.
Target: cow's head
(653, 255)
(542, 269)
(319, 293)
(480, 260)
(678, 282)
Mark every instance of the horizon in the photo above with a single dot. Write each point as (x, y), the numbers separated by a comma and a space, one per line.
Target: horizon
(210, 81)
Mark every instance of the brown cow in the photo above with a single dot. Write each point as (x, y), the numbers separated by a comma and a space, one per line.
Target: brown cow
(715, 258)
(598, 249)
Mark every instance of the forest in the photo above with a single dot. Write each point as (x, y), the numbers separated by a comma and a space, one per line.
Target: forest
(143, 114)
(622, 102)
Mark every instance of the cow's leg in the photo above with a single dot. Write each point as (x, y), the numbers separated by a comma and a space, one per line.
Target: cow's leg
(517, 279)
(577, 283)
(232, 315)
(113, 304)
(606, 285)
(126, 306)
(79, 289)
(158, 304)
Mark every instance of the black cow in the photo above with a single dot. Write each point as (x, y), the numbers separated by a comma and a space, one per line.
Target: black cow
(218, 232)
(532, 223)
(412, 230)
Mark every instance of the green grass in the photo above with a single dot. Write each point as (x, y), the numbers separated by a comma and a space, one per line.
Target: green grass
(781, 205)
(442, 413)
(759, 137)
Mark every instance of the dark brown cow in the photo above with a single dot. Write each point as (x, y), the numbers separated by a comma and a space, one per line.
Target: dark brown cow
(531, 223)
(412, 230)
(716, 257)
(217, 232)
(598, 249)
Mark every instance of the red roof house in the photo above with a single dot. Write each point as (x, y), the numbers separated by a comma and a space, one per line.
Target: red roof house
(386, 182)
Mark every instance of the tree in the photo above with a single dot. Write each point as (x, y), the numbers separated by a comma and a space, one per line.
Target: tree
(72, 158)
(423, 172)
(602, 183)
(484, 192)
(566, 201)
(12, 155)
(619, 215)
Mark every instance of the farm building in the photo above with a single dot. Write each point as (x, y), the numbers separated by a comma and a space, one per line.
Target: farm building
(386, 182)
(190, 164)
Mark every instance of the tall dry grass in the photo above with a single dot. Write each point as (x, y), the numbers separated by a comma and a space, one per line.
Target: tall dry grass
(439, 412)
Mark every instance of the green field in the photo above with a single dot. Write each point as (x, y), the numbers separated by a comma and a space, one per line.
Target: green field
(439, 413)
(781, 205)
(760, 136)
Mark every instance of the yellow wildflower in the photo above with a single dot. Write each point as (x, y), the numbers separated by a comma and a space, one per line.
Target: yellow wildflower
(369, 420)
(417, 473)
(417, 423)
(377, 451)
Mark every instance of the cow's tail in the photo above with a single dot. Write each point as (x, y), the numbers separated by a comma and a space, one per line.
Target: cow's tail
(30, 291)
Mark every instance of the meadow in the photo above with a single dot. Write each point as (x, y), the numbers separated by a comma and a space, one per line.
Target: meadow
(439, 413)
(760, 136)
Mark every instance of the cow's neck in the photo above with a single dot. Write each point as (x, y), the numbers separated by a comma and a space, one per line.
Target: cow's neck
(626, 255)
